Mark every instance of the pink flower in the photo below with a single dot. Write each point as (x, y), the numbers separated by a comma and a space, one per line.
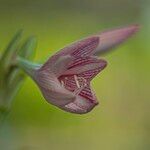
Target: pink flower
(65, 78)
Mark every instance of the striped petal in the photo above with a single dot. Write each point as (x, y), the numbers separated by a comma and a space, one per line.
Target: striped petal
(84, 102)
(80, 48)
(81, 72)
(78, 76)
(98, 43)
(52, 90)
(59, 66)
(86, 67)
(88, 94)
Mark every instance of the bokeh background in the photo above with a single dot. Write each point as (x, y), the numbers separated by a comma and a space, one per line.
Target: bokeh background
(122, 120)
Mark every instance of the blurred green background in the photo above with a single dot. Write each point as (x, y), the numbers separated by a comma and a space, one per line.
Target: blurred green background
(122, 120)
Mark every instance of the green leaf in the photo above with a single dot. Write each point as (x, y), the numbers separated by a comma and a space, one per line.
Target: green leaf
(27, 51)
(11, 77)
(11, 49)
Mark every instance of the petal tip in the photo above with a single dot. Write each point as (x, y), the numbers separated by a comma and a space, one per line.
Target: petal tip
(133, 28)
(91, 108)
(103, 64)
(136, 27)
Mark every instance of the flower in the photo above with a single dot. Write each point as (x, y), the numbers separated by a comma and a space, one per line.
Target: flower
(66, 82)
(65, 77)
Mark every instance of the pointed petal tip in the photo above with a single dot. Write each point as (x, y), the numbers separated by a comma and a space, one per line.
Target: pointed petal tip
(114, 37)
(91, 108)
(131, 29)
(79, 108)
(135, 27)
(96, 103)
(103, 63)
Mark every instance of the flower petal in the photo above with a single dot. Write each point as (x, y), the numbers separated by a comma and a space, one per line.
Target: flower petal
(84, 47)
(96, 44)
(81, 72)
(112, 38)
(80, 48)
(52, 90)
(86, 67)
(59, 66)
(83, 103)
(88, 94)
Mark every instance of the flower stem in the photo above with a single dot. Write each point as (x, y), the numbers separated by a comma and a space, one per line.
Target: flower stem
(27, 66)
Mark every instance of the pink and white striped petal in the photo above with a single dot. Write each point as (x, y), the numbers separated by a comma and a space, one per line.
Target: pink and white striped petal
(81, 72)
(80, 48)
(88, 94)
(98, 43)
(84, 102)
(86, 67)
(52, 89)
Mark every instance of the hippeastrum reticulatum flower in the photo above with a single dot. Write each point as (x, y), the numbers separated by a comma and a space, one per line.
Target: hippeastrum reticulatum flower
(65, 77)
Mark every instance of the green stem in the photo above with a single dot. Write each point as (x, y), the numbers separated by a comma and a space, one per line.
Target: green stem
(8, 90)
(27, 66)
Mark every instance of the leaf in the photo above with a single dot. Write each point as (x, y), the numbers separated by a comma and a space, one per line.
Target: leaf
(27, 51)
(11, 49)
